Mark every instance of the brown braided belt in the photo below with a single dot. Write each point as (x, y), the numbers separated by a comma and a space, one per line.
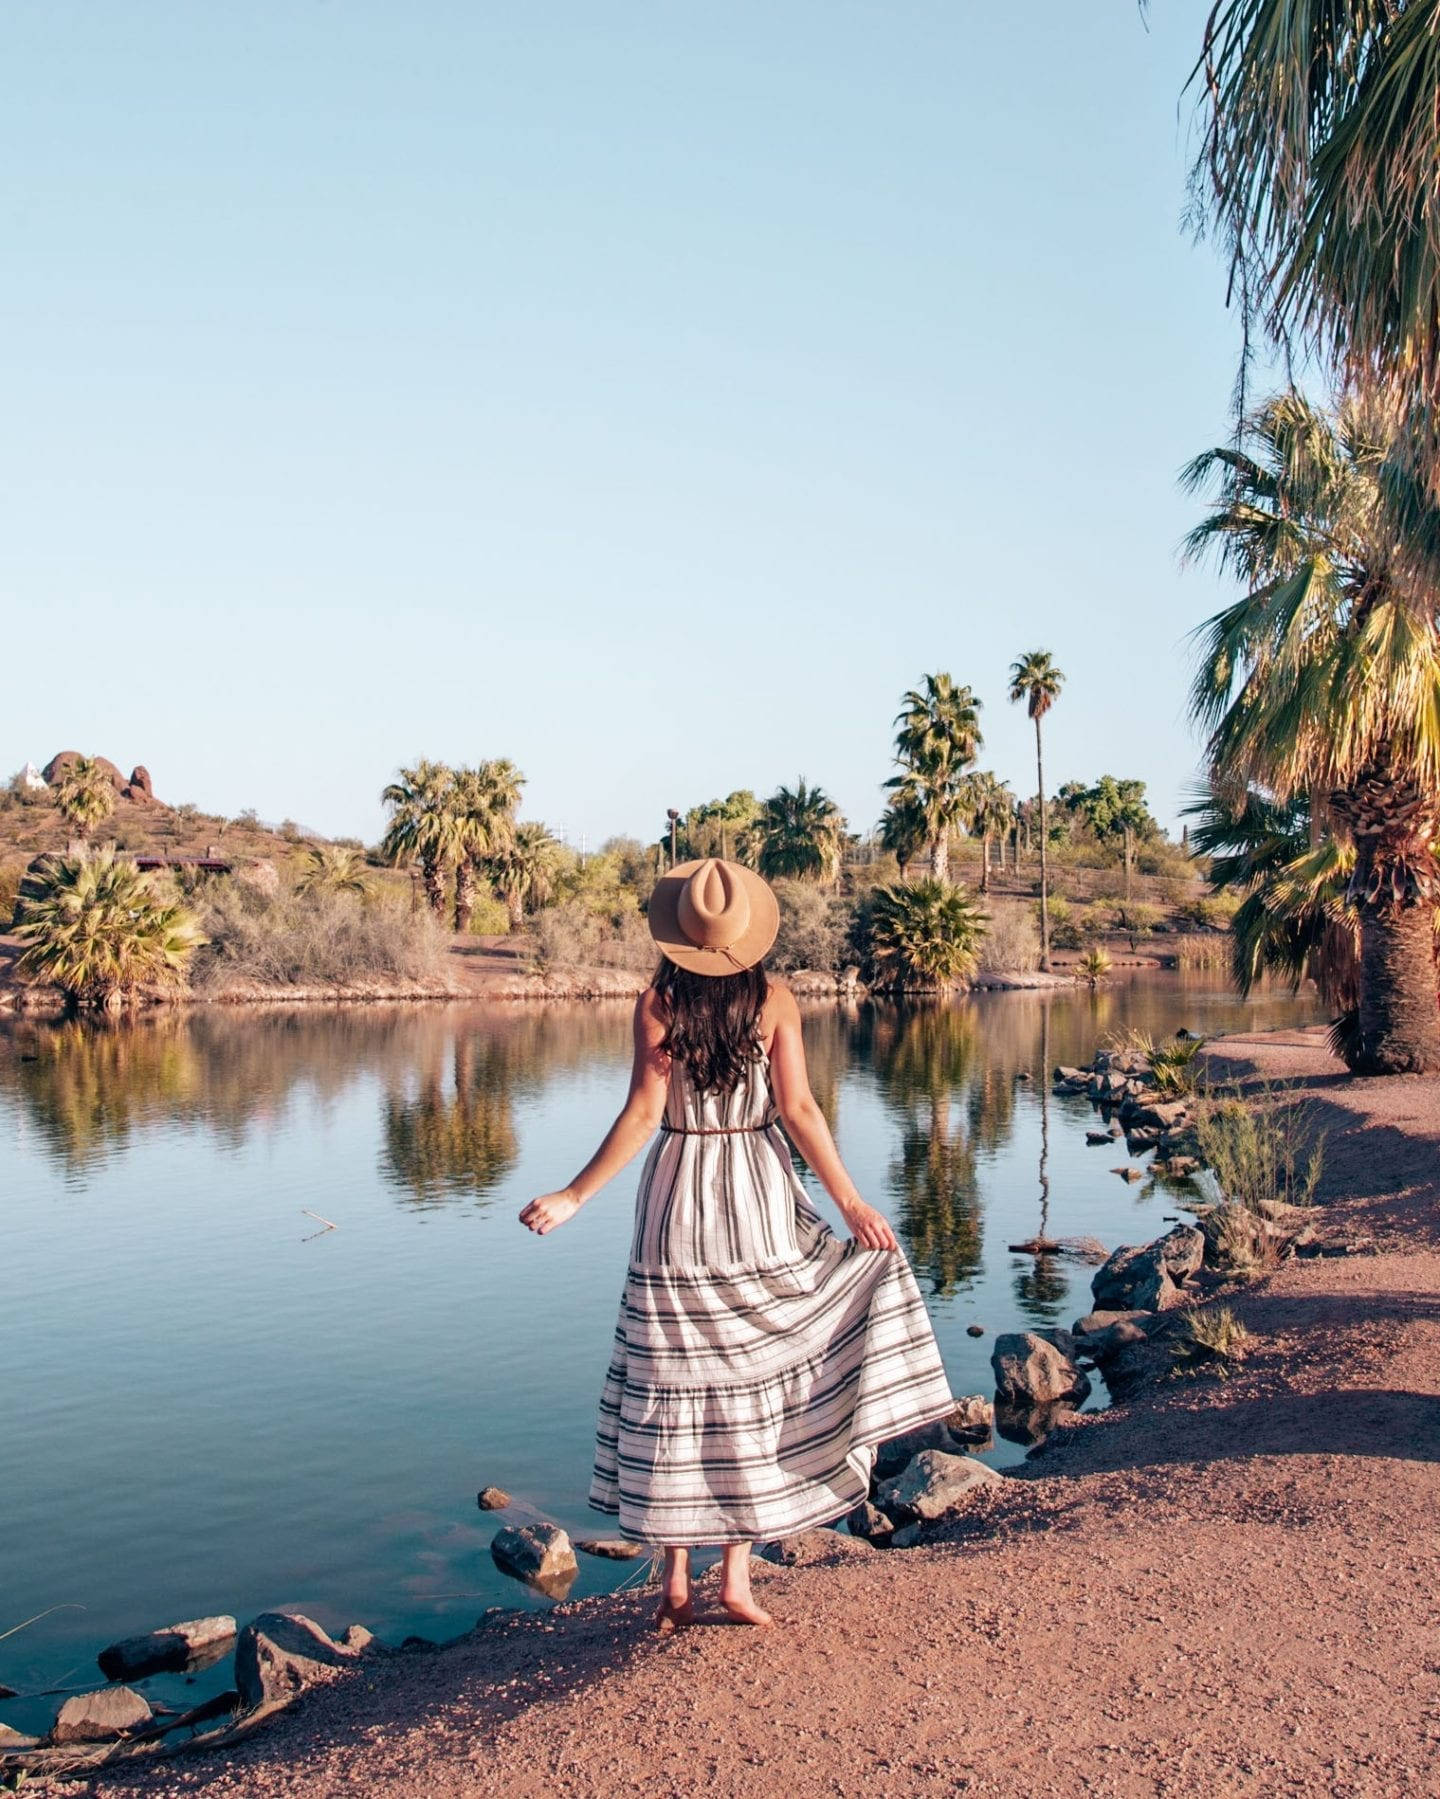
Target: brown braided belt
(719, 1130)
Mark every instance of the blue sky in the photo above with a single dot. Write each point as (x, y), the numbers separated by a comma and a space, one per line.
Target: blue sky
(647, 393)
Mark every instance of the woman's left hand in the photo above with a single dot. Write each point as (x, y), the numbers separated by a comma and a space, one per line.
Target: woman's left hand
(549, 1210)
(869, 1228)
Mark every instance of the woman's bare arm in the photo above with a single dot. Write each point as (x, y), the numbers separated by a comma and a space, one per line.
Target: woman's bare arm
(643, 1109)
(805, 1123)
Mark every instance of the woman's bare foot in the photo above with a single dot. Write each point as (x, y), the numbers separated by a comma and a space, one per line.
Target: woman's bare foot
(674, 1614)
(742, 1609)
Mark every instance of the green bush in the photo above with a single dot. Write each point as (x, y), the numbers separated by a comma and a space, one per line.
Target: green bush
(1264, 1149)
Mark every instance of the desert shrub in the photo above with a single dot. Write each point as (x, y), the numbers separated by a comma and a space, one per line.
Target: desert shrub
(923, 938)
(1214, 1335)
(491, 917)
(100, 931)
(1211, 911)
(1012, 945)
(11, 874)
(284, 939)
(1138, 920)
(1264, 1150)
(1094, 965)
(814, 929)
(577, 932)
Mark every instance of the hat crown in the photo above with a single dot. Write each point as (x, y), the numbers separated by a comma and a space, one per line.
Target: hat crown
(714, 908)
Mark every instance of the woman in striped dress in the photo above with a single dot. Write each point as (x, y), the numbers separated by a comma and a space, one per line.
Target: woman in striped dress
(758, 1359)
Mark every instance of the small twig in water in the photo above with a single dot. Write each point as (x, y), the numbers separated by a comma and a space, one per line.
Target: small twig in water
(68, 1605)
(327, 1223)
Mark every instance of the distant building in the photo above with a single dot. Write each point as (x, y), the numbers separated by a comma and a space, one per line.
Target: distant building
(32, 780)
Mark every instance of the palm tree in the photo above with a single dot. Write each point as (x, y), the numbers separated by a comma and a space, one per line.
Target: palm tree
(85, 794)
(334, 868)
(423, 825)
(1323, 682)
(937, 740)
(1294, 919)
(925, 938)
(903, 829)
(99, 930)
(1035, 679)
(1318, 159)
(522, 870)
(484, 801)
(990, 810)
(800, 834)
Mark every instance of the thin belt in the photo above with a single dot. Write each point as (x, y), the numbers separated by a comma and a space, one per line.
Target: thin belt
(719, 1130)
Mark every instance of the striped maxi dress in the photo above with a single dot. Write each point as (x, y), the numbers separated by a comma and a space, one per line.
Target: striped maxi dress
(758, 1360)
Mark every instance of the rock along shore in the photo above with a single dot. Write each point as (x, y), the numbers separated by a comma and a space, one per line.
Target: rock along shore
(1219, 1586)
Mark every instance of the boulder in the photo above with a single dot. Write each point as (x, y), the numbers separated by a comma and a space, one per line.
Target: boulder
(974, 1330)
(1094, 1137)
(1143, 1277)
(968, 1423)
(99, 1717)
(1031, 1371)
(1129, 1174)
(870, 1523)
(1160, 1115)
(610, 1549)
(1235, 1240)
(1100, 1345)
(492, 1499)
(59, 766)
(809, 1548)
(140, 781)
(906, 1537)
(934, 1485)
(194, 1644)
(15, 1739)
(278, 1654)
(361, 1640)
(537, 1553)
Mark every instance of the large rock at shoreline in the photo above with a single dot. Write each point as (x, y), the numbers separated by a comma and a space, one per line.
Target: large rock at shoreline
(540, 1554)
(196, 1643)
(1145, 1277)
(934, 1485)
(1030, 1371)
(99, 1717)
(279, 1654)
(968, 1425)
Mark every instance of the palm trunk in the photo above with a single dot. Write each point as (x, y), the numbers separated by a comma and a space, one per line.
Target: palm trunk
(1044, 858)
(464, 894)
(515, 906)
(940, 857)
(985, 861)
(1129, 856)
(1399, 1023)
(433, 873)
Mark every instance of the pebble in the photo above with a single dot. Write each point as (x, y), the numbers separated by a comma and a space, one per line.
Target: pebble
(492, 1499)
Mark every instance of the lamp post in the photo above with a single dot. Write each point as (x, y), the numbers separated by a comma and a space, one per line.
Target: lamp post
(674, 818)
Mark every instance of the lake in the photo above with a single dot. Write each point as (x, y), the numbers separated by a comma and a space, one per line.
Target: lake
(210, 1402)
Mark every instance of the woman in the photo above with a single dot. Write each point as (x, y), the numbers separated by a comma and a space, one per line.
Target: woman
(758, 1360)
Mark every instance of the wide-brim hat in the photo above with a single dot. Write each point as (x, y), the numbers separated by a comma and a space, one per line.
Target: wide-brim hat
(714, 917)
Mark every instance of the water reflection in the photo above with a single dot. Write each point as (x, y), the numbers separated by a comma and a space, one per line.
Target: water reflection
(442, 1139)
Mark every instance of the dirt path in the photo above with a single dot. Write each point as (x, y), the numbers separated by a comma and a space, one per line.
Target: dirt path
(1223, 1588)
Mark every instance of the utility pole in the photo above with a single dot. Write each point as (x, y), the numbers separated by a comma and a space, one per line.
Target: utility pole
(674, 818)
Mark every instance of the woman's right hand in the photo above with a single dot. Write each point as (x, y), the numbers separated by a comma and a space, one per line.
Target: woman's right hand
(549, 1210)
(869, 1228)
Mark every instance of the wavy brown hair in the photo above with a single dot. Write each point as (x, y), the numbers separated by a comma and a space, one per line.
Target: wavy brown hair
(714, 1022)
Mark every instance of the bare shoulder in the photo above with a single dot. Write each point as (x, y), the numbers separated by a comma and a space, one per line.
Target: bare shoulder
(780, 1006)
(650, 1015)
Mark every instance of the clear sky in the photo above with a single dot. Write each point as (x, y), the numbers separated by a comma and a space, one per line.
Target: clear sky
(648, 393)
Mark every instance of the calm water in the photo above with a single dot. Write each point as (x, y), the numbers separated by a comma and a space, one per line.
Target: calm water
(205, 1407)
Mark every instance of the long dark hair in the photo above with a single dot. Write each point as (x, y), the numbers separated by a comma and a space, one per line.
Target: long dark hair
(714, 1024)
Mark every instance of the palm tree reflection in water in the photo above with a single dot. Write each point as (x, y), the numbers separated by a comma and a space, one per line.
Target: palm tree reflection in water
(1040, 1283)
(443, 1141)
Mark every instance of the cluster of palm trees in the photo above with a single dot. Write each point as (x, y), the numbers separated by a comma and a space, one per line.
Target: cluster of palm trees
(939, 791)
(462, 820)
(1319, 689)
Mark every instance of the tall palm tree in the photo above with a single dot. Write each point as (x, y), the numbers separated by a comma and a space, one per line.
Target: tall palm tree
(423, 825)
(1318, 166)
(937, 740)
(522, 870)
(1035, 679)
(800, 834)
(484, 801)
(85, 794)
(1323, 682)
(990, 811)
(99, 930)
(903, 829)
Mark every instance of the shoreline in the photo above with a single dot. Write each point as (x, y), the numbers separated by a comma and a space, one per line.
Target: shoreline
(1225, 1586)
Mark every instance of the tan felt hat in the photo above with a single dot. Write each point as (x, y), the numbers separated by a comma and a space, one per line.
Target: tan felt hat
(713, 917)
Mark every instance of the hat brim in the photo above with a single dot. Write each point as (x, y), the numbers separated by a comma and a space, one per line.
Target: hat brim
(750, 947)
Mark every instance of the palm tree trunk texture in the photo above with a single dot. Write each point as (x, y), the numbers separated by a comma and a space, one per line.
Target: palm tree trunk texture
(940, 857)
(464, 894)
(1399, 1024)
(433, 873)
(1044, 857)
(1129, 858)
(985, 861)
(515, 906)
